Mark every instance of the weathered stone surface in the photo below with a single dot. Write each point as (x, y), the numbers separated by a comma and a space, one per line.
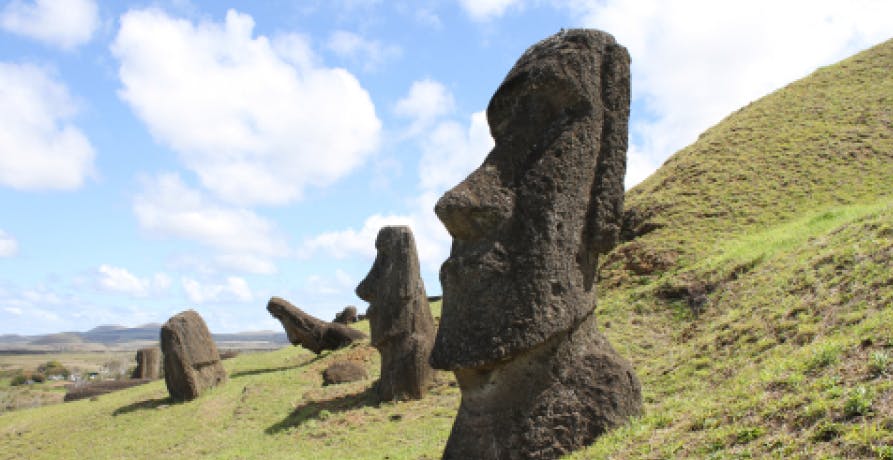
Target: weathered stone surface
(343, 372)
(399, 316)
(310, 332)
(347, 316)
(517, 328)
(191, 361)
(148, 363)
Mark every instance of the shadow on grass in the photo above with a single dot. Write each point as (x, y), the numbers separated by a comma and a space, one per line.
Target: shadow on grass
(312, 409)
(267, 370)
(143, 405)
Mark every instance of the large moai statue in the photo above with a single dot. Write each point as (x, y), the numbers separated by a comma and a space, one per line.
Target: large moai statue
(191, 361)
(309, 331)
(518, 328)
(148, 363)
(399, 316)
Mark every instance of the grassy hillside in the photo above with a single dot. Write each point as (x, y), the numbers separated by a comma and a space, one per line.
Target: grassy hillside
(754, 295)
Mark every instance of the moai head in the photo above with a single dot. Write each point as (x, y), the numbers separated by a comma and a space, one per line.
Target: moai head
(529, 223)
(392, 282)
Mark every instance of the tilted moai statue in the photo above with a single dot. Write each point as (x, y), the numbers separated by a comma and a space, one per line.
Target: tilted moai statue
(518, 327)
(399, 316)
(191, 361)
(148, 363)
(309, 331)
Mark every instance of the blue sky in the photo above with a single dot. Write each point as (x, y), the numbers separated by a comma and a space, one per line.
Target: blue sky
(158, 156)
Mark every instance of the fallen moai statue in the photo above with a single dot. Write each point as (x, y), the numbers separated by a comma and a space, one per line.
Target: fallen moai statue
(399, 316)
(311, 333)
(518, 329)
(191, 361)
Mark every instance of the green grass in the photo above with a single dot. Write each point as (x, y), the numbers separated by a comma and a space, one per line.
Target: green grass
(758, 315)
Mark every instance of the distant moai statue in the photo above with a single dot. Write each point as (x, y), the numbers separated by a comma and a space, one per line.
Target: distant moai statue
(148, 363)
(518, 328)
(191, 361)
(347, 316)
(308, 331)
(399, 316)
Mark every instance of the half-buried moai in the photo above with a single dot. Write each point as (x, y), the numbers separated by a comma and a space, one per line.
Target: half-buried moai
(399, 316)
(148, 363)
(308, 331)
(518, 329)
(191, 361)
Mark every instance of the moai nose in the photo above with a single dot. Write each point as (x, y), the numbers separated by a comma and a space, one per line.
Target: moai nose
(476, 207)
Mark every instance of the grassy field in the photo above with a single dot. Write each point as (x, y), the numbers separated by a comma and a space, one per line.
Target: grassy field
(755, 301)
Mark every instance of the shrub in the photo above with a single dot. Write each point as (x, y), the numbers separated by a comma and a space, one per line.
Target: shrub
(18, 379)
(858, 403)
(53, 368)
(878, 362)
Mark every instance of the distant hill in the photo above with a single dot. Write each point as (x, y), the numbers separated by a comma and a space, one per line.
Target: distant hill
(122, 338)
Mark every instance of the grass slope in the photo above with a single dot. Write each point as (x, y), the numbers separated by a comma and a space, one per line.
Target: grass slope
(756, 304)
(757, 301)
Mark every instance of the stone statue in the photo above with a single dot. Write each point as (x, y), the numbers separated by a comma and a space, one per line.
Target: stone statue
(399, 316)
(518, 328)
(191, 361)
(309, 331)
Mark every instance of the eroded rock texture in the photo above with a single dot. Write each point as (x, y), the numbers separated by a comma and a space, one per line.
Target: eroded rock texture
(399, 316)
(538, 380)
(148, 363)
(191, 361)
(308, 331)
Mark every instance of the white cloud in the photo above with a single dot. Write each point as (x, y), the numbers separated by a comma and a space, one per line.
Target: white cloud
(63, 23)
(39, 147)
(120, 280)
(233, 288)
(246, 241)
(449, 153)
(694, 62)
(257, 120)
(372, 54)
(13, 310)
(8, 245)
(427, 101)
(484, 10)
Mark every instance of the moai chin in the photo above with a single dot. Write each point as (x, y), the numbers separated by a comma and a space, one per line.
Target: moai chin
(518, 330)
(399, 316)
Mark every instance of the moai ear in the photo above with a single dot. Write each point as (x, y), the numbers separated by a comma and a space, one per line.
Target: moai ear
(605, 213)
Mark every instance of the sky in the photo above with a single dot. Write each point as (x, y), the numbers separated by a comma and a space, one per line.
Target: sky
(157, 156)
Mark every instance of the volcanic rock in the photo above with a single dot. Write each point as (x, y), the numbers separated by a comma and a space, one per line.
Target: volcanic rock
(191, 361)
(148, 363)
(343, 372)
(308, 331)
(399, 316)
(537, 378)
(347, 316)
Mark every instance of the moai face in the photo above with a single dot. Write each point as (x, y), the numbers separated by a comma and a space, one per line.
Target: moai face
(528, 224)
(392, 281)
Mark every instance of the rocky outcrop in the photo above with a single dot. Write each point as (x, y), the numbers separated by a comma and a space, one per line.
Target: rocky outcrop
(148, 364)
(191, 361)
(343, 372)
(308, 331)
(399, 316)
(538, 380)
